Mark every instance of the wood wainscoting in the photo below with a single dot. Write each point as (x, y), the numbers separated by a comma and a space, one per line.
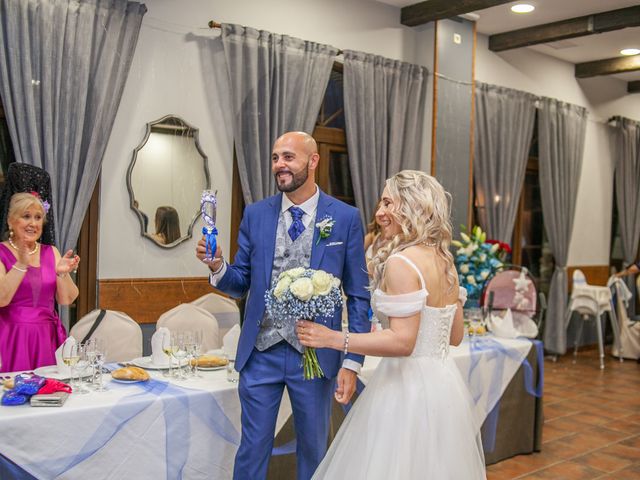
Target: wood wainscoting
(145, 299)
(595, 274)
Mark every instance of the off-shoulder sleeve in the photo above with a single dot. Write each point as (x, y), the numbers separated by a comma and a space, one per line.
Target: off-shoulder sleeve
(403, 305)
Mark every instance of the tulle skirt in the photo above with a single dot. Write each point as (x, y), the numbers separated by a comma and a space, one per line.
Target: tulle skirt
(413, 421)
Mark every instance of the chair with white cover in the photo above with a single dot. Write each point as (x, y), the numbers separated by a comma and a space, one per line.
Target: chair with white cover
(224, 309)
(121, 334)
(590, 302)
(189, 317)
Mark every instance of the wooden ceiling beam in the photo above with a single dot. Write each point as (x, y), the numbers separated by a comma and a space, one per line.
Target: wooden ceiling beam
(430, 10)
(633, 87)
(570, 28)
(608, 66)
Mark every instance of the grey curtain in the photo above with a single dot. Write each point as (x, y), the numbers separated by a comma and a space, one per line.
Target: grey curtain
(561, 134)
(63, 66)
(277, 85)
(504, 127)
(627, 182)
(384, 104)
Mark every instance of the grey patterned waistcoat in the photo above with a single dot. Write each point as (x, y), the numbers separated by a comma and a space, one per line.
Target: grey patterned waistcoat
(287, 255)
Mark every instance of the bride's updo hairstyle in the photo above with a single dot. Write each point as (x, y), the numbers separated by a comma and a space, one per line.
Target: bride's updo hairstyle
(421, 208)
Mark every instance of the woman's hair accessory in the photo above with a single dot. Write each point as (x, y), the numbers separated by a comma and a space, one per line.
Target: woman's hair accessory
(44, 203)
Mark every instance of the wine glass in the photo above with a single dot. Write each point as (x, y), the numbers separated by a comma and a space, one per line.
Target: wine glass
(70, 357)
(100, 351)
(168, 349)
(180, 352)
(81, 366)
(196, 346)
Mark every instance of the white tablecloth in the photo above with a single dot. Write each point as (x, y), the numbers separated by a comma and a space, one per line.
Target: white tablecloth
(192, 428)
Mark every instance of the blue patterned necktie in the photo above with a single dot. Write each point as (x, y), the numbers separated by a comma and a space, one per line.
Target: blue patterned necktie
(297, 227)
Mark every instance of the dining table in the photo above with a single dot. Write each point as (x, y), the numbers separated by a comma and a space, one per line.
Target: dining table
(168, 428)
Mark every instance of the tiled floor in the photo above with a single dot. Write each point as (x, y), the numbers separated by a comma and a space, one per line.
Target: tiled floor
(592, 423)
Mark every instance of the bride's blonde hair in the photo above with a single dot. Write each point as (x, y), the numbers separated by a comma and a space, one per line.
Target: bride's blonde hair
(421, 208)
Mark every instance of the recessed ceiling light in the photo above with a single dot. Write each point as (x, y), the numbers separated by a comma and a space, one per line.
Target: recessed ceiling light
(522, 8)
(630, 51)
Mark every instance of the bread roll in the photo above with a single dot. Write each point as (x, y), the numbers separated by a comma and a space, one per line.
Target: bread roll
(210, 361)
(130, 373)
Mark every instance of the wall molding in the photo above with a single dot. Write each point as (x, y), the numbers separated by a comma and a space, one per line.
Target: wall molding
(145, 299)
(595, 274)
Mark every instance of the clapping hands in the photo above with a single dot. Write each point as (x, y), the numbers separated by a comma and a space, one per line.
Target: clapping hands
(67, 263)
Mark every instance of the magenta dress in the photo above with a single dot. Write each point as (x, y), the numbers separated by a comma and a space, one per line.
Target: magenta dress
(30, 330)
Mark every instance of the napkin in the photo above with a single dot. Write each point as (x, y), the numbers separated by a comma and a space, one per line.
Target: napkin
(230, 341)
(503, 326)
(512, 325)
(159, 340)
(64, 370)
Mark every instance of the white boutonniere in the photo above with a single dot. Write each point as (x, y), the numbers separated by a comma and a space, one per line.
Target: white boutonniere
(325, 226)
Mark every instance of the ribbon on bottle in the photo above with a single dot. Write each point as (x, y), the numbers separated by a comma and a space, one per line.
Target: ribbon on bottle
(208, 209)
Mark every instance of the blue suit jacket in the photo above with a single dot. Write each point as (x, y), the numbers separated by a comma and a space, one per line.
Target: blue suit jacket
(341, 254)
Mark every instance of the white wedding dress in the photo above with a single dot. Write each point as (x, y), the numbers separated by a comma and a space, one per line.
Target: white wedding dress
(413, 420)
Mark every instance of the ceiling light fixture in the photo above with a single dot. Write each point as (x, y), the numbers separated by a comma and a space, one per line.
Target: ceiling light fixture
(522, 8)
(630, 51)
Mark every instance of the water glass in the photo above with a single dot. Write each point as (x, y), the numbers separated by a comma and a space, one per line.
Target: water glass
(233, 375)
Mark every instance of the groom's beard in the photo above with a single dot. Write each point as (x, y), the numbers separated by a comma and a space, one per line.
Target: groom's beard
(297, 179)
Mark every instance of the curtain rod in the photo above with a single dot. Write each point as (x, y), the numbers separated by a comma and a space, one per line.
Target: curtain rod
(214, 24)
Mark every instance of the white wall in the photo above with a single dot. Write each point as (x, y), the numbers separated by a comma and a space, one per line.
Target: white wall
(531, 71)
(178, 68)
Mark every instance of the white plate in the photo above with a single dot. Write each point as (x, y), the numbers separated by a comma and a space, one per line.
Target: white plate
(51, 371)
(147, 363)
(211, 369)
(121, 380)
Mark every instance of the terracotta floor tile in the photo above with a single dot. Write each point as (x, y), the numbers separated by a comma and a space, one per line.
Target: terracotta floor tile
(623, 451)
(632, 442)
(567, 471)
(603, 461)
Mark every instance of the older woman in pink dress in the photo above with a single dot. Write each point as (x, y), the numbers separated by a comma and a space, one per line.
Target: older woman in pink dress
(33, 277)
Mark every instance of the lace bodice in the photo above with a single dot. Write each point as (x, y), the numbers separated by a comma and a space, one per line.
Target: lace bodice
(435, 323)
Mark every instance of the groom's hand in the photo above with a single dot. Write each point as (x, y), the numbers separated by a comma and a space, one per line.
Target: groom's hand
(201, 253)
(346, 385)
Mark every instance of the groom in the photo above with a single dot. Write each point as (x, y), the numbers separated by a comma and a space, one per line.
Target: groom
(277, 234)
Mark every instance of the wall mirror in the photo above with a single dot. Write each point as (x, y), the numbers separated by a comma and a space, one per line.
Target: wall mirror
(165, 179)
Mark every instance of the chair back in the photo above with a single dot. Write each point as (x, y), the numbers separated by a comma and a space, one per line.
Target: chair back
(579, 278)
(502, 292)
(121, 334)
(224, 309)
(189, 317)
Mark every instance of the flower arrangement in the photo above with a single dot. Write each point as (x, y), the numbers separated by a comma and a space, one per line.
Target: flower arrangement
(304, 293)
(477, 259)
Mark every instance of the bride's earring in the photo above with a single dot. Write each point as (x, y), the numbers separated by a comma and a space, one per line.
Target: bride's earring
(10, 232)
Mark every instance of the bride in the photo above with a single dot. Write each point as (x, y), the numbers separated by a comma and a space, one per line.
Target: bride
(413, 420)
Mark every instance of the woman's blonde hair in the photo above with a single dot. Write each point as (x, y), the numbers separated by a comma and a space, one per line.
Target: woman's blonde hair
(421, 208)
(21, 202)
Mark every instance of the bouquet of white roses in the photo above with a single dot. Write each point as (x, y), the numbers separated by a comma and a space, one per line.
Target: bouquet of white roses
(304, 294)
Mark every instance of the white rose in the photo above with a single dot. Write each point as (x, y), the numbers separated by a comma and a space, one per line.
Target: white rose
(302, 288)
(295, 272)
(336, 282)
(484, 274)
(483, 257)
(470, 280)
(322, 282)
(281, 287)
(464, 268)
(495, 247)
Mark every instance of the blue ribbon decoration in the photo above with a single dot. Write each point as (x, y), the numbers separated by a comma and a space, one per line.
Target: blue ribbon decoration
(178, 406)
(210, 234)
(493, 348)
